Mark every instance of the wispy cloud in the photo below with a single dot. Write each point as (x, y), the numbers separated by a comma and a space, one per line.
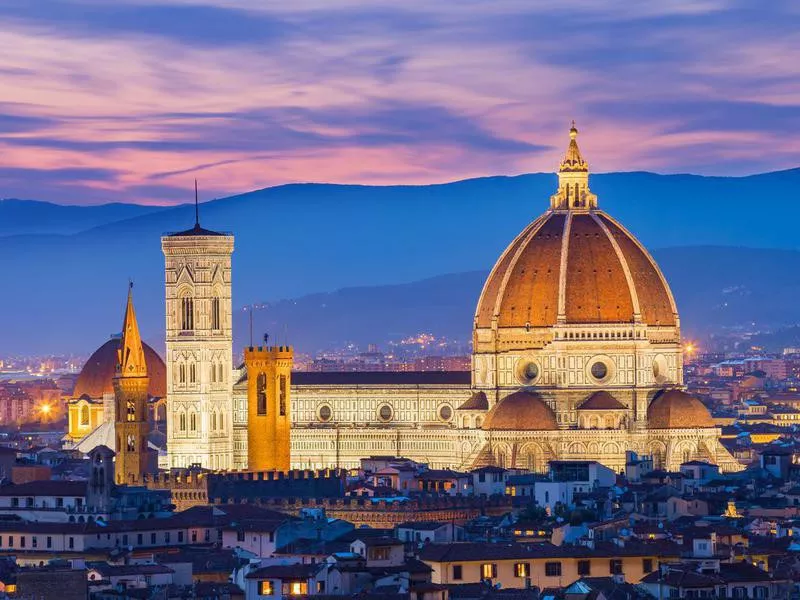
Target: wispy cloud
(127, 100)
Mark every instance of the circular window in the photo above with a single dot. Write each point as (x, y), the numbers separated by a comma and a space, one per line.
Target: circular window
(446, 412)
(599, 370)
(325, 413)
(385, 413)
(527, 371)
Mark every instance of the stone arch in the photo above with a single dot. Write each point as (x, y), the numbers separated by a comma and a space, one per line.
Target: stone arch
(478, 422)
(531, 456)
(658, 450)
(466, 422)
(683, 451)
(594, 449)
(576, 448)
(503, 455)
(611, 448)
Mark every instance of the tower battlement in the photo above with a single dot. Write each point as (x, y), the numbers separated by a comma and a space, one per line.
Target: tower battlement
(266, 353)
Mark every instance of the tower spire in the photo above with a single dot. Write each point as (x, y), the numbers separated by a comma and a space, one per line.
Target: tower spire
(573, 179)
(196, 207)
(130, 355)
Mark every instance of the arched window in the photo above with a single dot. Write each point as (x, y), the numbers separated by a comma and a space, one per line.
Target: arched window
(130, 410)
(261, 394)
(131, 443)
(220, 373)
(187, 313)
(213, 373)
(84, 415)
(182, 372)
(215, 314)
(192, 373)
(182, 422)
(193, 422)
(222, 421)
(213, 421)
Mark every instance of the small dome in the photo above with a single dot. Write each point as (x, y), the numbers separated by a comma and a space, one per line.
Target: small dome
(602, 401)
(675, 409)
(97, 375)
(521, 411)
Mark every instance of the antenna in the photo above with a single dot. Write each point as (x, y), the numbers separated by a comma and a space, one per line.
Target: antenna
(196, 207)
(251, 324)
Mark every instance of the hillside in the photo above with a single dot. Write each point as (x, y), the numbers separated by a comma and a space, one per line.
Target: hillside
(24, 217)
(66, 291)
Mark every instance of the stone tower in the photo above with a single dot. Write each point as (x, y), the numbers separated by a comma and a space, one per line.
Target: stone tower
(199, 348)
(269, 371)
(131, 426)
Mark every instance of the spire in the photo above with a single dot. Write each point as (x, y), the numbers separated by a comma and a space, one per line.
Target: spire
(130, 356)
(573, 179)
(573, 161)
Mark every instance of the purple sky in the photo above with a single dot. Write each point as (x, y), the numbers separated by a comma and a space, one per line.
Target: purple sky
(129, 100)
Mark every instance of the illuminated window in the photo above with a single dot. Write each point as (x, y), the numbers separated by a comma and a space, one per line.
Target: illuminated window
(488, 571)
(265, 588)
(295, 588)
(552, 569)
(84, 419)
(131, 445)
(261, 394)
(130, 410)
(522, 569)
(187, 313)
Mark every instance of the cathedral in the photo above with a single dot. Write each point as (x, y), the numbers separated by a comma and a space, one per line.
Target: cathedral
(576, 354)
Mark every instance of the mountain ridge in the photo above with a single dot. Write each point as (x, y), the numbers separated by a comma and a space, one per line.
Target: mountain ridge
(302, 238)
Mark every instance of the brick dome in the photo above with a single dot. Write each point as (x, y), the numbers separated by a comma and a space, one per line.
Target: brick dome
(583, 265)
(97, 376)
(521, 411)
(675, 409)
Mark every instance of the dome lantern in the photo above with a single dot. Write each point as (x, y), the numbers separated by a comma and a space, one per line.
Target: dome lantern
(573, 180)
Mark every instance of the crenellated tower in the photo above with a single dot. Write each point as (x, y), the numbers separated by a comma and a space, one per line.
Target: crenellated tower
(199, 338)
(269, 371)
(131, 426)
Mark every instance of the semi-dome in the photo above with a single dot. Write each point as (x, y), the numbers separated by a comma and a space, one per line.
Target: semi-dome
(601, 400)
(521, 411)
(675, 409)
(575, 265)
(97, 376)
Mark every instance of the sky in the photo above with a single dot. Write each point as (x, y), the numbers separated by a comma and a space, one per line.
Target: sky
(130, 101)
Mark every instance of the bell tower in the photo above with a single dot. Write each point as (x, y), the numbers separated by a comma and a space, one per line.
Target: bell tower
(131, 425)
(197, 268)
(269, 371)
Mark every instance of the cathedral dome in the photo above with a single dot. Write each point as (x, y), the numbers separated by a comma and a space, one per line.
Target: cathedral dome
(97, 376)
(521, 411)
(675, 409)
(574, 265)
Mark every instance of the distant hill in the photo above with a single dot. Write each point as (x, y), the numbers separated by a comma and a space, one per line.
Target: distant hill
(65, 290)
(21, 217)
